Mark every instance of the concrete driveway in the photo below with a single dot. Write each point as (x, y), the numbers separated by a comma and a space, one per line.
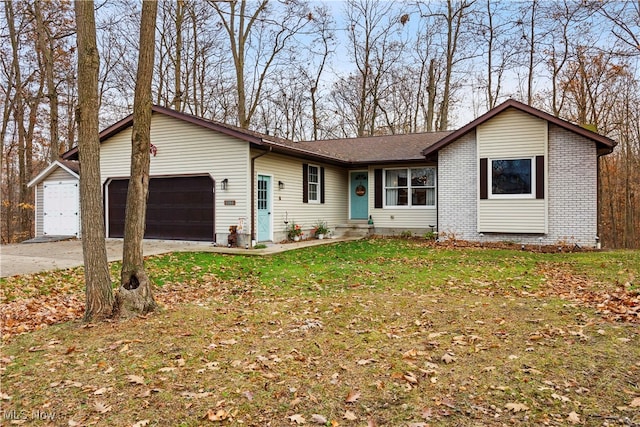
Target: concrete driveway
(36, 257)
(31, 258)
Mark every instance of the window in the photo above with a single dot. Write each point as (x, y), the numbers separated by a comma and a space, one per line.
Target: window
(410, 187)
(512, 178)
(314, 184)
(262, 194)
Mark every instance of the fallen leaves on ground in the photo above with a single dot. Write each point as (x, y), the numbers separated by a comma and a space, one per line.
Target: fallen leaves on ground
(622, 304)
(35, 301)
(31, 310)
(352, 397)
(573, 418)
(297, 418)
(101, 407)
(414, 356)
(135, 379)
(217, 415)
(516, 407)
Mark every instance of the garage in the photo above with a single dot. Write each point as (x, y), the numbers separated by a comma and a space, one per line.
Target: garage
(178, 208)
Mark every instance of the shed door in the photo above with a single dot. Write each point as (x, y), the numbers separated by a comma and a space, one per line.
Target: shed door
(60, 209)
(179, 208)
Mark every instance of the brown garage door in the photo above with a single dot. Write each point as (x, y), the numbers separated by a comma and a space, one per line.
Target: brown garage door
(179, 208)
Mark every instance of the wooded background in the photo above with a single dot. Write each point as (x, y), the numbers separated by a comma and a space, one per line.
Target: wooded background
(316, 70)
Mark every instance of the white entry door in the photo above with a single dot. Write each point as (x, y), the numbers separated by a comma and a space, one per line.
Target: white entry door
(61, 216)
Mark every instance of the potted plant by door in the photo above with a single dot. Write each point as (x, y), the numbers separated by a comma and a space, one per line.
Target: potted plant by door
(320, 229)
(294, 232)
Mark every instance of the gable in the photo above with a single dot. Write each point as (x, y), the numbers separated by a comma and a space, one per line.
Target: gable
(57, 170)
(180, 147)
(605, 145)
(512, 134)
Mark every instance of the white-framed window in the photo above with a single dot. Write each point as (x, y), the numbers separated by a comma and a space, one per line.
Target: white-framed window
(512, 178)
(410, 187)
(314, 184)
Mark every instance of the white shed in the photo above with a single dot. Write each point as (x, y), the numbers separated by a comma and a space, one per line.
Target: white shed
(58, 199)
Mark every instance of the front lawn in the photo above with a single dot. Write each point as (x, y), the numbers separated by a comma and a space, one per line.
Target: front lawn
(375, 332)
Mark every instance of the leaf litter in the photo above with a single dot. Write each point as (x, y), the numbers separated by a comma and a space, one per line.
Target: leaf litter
(377, 352)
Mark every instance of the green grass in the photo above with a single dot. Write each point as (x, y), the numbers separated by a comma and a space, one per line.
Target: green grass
(257, 340)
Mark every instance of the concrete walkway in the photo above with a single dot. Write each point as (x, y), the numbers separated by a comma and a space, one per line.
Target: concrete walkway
(37, 257)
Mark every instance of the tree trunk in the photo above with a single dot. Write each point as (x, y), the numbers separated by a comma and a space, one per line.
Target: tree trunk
(431, 95)
(46, 47)
(134, 295)
(99, 296)
(177, 100)
(531, 53)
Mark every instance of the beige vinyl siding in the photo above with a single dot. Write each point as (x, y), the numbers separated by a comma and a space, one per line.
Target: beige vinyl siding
(287, 203)
(187, 149)
(57, 175)
(39, 198)
(501, 215)
(401, 218)
(513, 134)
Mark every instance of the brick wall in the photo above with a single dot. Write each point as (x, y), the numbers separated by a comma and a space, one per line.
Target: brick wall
(571, 192)
(458, 189)
(573, 197)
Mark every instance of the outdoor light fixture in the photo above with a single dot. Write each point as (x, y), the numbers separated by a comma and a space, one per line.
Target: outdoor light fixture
(281, 185)
(225, 184)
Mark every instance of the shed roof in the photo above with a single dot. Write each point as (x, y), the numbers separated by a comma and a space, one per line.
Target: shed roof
(72, 167)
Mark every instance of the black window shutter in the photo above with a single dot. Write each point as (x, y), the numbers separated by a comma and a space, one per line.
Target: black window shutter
(305, 183)
(539, 177)
(484, 165)
(321, 185)
(377, 175)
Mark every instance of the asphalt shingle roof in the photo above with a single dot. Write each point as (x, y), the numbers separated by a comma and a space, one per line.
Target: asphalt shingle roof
(376, 149)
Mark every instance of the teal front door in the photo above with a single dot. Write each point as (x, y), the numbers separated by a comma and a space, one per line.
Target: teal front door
(359, 194)
(264, 208)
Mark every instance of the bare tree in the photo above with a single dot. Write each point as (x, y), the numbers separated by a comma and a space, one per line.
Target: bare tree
(28, 91)
(322, 21)
(531, 39)
(257, 40)
(625, 17)
(426, 74)
(35, 57)
(496, 30)
(45, 47)
(135, 295)
(99, 295)
(455, 19)
(375, 48)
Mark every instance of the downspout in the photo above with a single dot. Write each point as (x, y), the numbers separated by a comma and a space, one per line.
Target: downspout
(253, 192)
(599, 155)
